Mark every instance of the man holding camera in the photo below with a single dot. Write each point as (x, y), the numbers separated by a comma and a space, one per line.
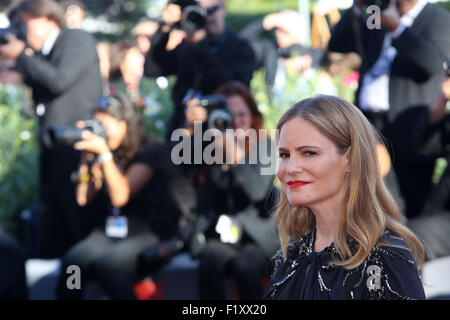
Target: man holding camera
(62, 68)
(288, 52)
(209, 55)
(401, 70)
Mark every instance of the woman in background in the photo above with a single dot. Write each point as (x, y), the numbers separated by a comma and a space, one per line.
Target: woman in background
(127, 172)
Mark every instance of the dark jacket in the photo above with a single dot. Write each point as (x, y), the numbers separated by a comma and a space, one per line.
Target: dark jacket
(67, 81)
(389, 272)
(414, 81)
(203, 66)
(416, 72)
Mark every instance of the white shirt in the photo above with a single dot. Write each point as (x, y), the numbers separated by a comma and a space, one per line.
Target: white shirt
(50, 42)
(46, 49)
(374, 93)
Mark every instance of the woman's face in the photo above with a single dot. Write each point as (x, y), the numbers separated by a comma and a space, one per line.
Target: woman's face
(241, 113)
(311, 170)
(115, 129)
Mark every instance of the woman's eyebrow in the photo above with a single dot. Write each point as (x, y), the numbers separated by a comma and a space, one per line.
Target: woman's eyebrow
(300, 148)
(307, 147)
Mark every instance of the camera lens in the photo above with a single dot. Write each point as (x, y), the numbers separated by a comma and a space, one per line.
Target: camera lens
(220, 119)
(193, 19)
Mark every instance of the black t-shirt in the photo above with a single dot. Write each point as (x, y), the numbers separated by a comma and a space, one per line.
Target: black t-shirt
(153, 205)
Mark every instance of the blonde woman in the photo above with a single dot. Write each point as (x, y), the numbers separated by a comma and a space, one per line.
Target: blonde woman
(338, 225)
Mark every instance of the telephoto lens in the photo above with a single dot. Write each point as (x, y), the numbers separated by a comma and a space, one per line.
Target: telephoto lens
(154, 258)
(68, 136)
(219, 117)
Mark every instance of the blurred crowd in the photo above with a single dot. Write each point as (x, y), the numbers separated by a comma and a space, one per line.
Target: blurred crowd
(112, 201)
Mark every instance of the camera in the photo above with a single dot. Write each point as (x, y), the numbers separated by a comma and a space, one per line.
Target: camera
(292, 51)
(193, 19)
(382, 4)
(155, 257)
(219, 117)
(60, 135)
(18, 29)
(189, 238)
(193, 15)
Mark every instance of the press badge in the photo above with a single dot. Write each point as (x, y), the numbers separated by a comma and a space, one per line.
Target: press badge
(229, 229)
(116, 226)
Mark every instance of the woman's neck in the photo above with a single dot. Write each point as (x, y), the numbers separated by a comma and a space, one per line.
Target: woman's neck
(327, 220)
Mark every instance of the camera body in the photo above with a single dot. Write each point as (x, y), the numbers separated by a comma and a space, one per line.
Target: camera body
(383, 4)
(67, 136)
(193, 15)
(219, 117)
(190, 238)
(292, 51)
(18, 29)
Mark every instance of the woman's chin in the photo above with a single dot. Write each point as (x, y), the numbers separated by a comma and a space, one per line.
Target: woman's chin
(297, 202)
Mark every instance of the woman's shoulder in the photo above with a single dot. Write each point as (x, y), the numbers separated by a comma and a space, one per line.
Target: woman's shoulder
(296, 248)
(388, 272)
(391, 247)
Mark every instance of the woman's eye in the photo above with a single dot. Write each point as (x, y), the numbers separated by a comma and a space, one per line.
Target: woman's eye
(309, 153)
(284, 155)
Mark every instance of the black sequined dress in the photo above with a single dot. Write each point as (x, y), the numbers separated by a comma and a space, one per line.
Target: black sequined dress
(387, 273)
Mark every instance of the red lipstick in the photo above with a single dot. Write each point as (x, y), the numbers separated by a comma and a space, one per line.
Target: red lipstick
(297, 183)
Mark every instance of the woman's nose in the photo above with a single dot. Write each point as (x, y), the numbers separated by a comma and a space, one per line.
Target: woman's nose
(294, 166)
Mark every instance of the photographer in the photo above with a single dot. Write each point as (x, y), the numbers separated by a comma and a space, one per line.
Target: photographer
(287, 52)
(235, 193)
(209, 55)
(128, 173)
(126, 64)
(401, 69)
(433, 138)
(74, 11)
(61, 66)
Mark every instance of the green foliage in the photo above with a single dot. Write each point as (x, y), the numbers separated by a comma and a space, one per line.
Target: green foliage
(157, 106)
(444, 4)
(258, 7)
(18, 158)
(154, 103)
(298, 86)
(439, 169)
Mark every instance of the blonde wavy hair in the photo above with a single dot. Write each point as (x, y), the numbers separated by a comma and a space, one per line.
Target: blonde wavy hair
(369, 209)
